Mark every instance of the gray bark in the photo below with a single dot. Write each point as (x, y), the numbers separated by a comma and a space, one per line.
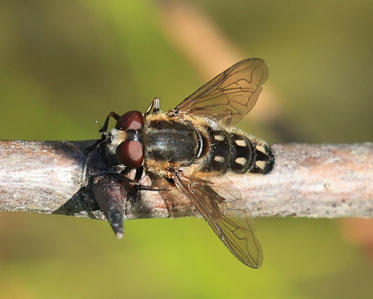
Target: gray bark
(320, 180)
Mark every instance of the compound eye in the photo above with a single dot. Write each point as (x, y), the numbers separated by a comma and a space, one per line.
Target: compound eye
(130, 153)
(131, 120)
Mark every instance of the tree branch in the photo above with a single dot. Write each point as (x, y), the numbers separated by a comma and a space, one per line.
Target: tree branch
(321, 180)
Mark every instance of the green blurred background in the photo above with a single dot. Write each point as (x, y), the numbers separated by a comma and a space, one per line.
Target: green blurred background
(66, 64)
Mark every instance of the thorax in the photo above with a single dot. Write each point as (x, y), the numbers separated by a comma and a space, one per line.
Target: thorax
(169, 142)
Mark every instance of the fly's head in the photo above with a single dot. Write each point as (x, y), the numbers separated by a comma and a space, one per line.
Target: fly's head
(125, 140)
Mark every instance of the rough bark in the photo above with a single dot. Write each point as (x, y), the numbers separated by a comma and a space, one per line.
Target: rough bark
(319, 180)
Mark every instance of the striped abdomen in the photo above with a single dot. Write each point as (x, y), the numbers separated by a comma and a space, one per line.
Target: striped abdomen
(179, 143)
(237, 153)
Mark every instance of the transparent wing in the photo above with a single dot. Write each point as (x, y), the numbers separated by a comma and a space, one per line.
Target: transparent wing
(232, 225)
(230, 95)
(175, 200)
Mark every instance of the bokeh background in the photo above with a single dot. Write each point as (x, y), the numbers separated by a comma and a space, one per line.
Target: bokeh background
(65, 64)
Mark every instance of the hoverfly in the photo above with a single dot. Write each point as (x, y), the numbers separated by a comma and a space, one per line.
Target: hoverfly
(194, 142)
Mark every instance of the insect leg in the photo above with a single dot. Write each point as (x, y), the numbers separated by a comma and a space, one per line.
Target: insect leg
(103, 130)
(139, 173)
(91, 147)
(134, 195)
(154, 106)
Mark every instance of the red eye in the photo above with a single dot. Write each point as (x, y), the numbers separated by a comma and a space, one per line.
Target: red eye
(132, 120)
(130, 153)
